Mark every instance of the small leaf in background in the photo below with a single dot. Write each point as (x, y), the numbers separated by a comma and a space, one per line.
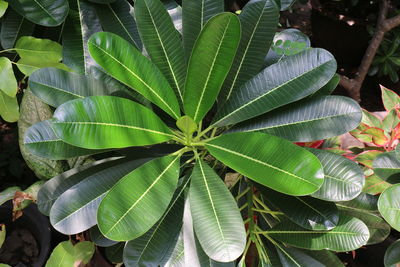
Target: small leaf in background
(387, 166)
(186, 125)
(18, 200)
(389, 206)
(8, 83)
(39, 49)
(390, 99)
(28, 65)
(392, 255)
(374, 185)
(3, 7)
(378, 136)
(9, 109)
(8, 194)
(367, 158)
(67, 254)
(2, 234)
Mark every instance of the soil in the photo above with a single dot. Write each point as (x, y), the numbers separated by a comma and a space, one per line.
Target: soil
(19, 247)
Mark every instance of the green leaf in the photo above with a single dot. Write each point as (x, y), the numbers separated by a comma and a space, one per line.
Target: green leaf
(102, 1)
(2, 234)
(41, 140)
(13, 27)
(375, 185)
(371, 119)
(162, 42)
(120, 214)
(349, 234)
(29, 65)
(270, 161)
(344, 179)
(54, 187)
(307, 120)
(390, 99)
(117, 17)
(362, 203)
(392, 255)
(8, 83)
(379, 230)
(328, 88)
(259, 20)
(295, 257)
(391, 120)
(216, 219)
(3, 7)
(9, 109)
(389, 206)
(98, 239)
(115, 253)
(72, 217)
(80, 24)
(156, 246)
(195, 15)
(177, 258)
(175, 12)
(119, 58)
(48, 13)
(209, 63)
(326, 257)
(101, 122)
(66, 254)
(292, 79)
(186, 125)
(307, 212)
(55, 86)
(387, 167)
(38, 49)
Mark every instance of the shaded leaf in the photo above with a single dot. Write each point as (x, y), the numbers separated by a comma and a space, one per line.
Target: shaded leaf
(392, 255)
(389, 206)
(387, 166)
(14, 26)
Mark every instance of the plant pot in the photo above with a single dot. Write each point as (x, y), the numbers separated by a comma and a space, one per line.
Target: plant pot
(31, 225)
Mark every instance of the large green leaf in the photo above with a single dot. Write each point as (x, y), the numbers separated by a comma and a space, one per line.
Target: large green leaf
(156, 246)
(125, 63)
(54, 187)
(80, 24)
(162, 42)
(41, 140)
(120, 214)
(211, 59)
(56, 87)
(326, 257)
(389, 206)
(9, 109)
(307, 212)
(349, 234)
(118, 18)
(14, 26)
(379, 230)
(216, 219)
(387, 167)
(33, 111)
(344, 179)
(308, 120)
(195, 15)
(75, 210)
(363, 203)
(43, 12)
(270, 161)
(291, 257)
(259, 20)
(38, 49)
(287, 81)
(29, 65)
(8, 83)
(177, 258)
(392, 255)
(100, 122)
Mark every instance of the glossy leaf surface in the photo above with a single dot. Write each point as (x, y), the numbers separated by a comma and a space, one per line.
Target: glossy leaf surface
(125, 63)
(38, 49)
(307, 212)
(74, 217)
(43, 12)
(120, 215)
(270, 161)
(14, 26)
(259, 20)
(216, 219)
(162, 41)
(389, 206)
(344, 179)
(208, 66)
(292, 79)
(349, 234)
(100, 122)
(308, 120)
(8, 83)
(387, 167)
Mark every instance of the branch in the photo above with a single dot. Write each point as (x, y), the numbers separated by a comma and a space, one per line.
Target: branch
(353, 86)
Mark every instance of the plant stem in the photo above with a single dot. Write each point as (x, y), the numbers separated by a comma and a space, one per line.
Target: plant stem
(268, 211)
(242, 194)
(7, 50)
